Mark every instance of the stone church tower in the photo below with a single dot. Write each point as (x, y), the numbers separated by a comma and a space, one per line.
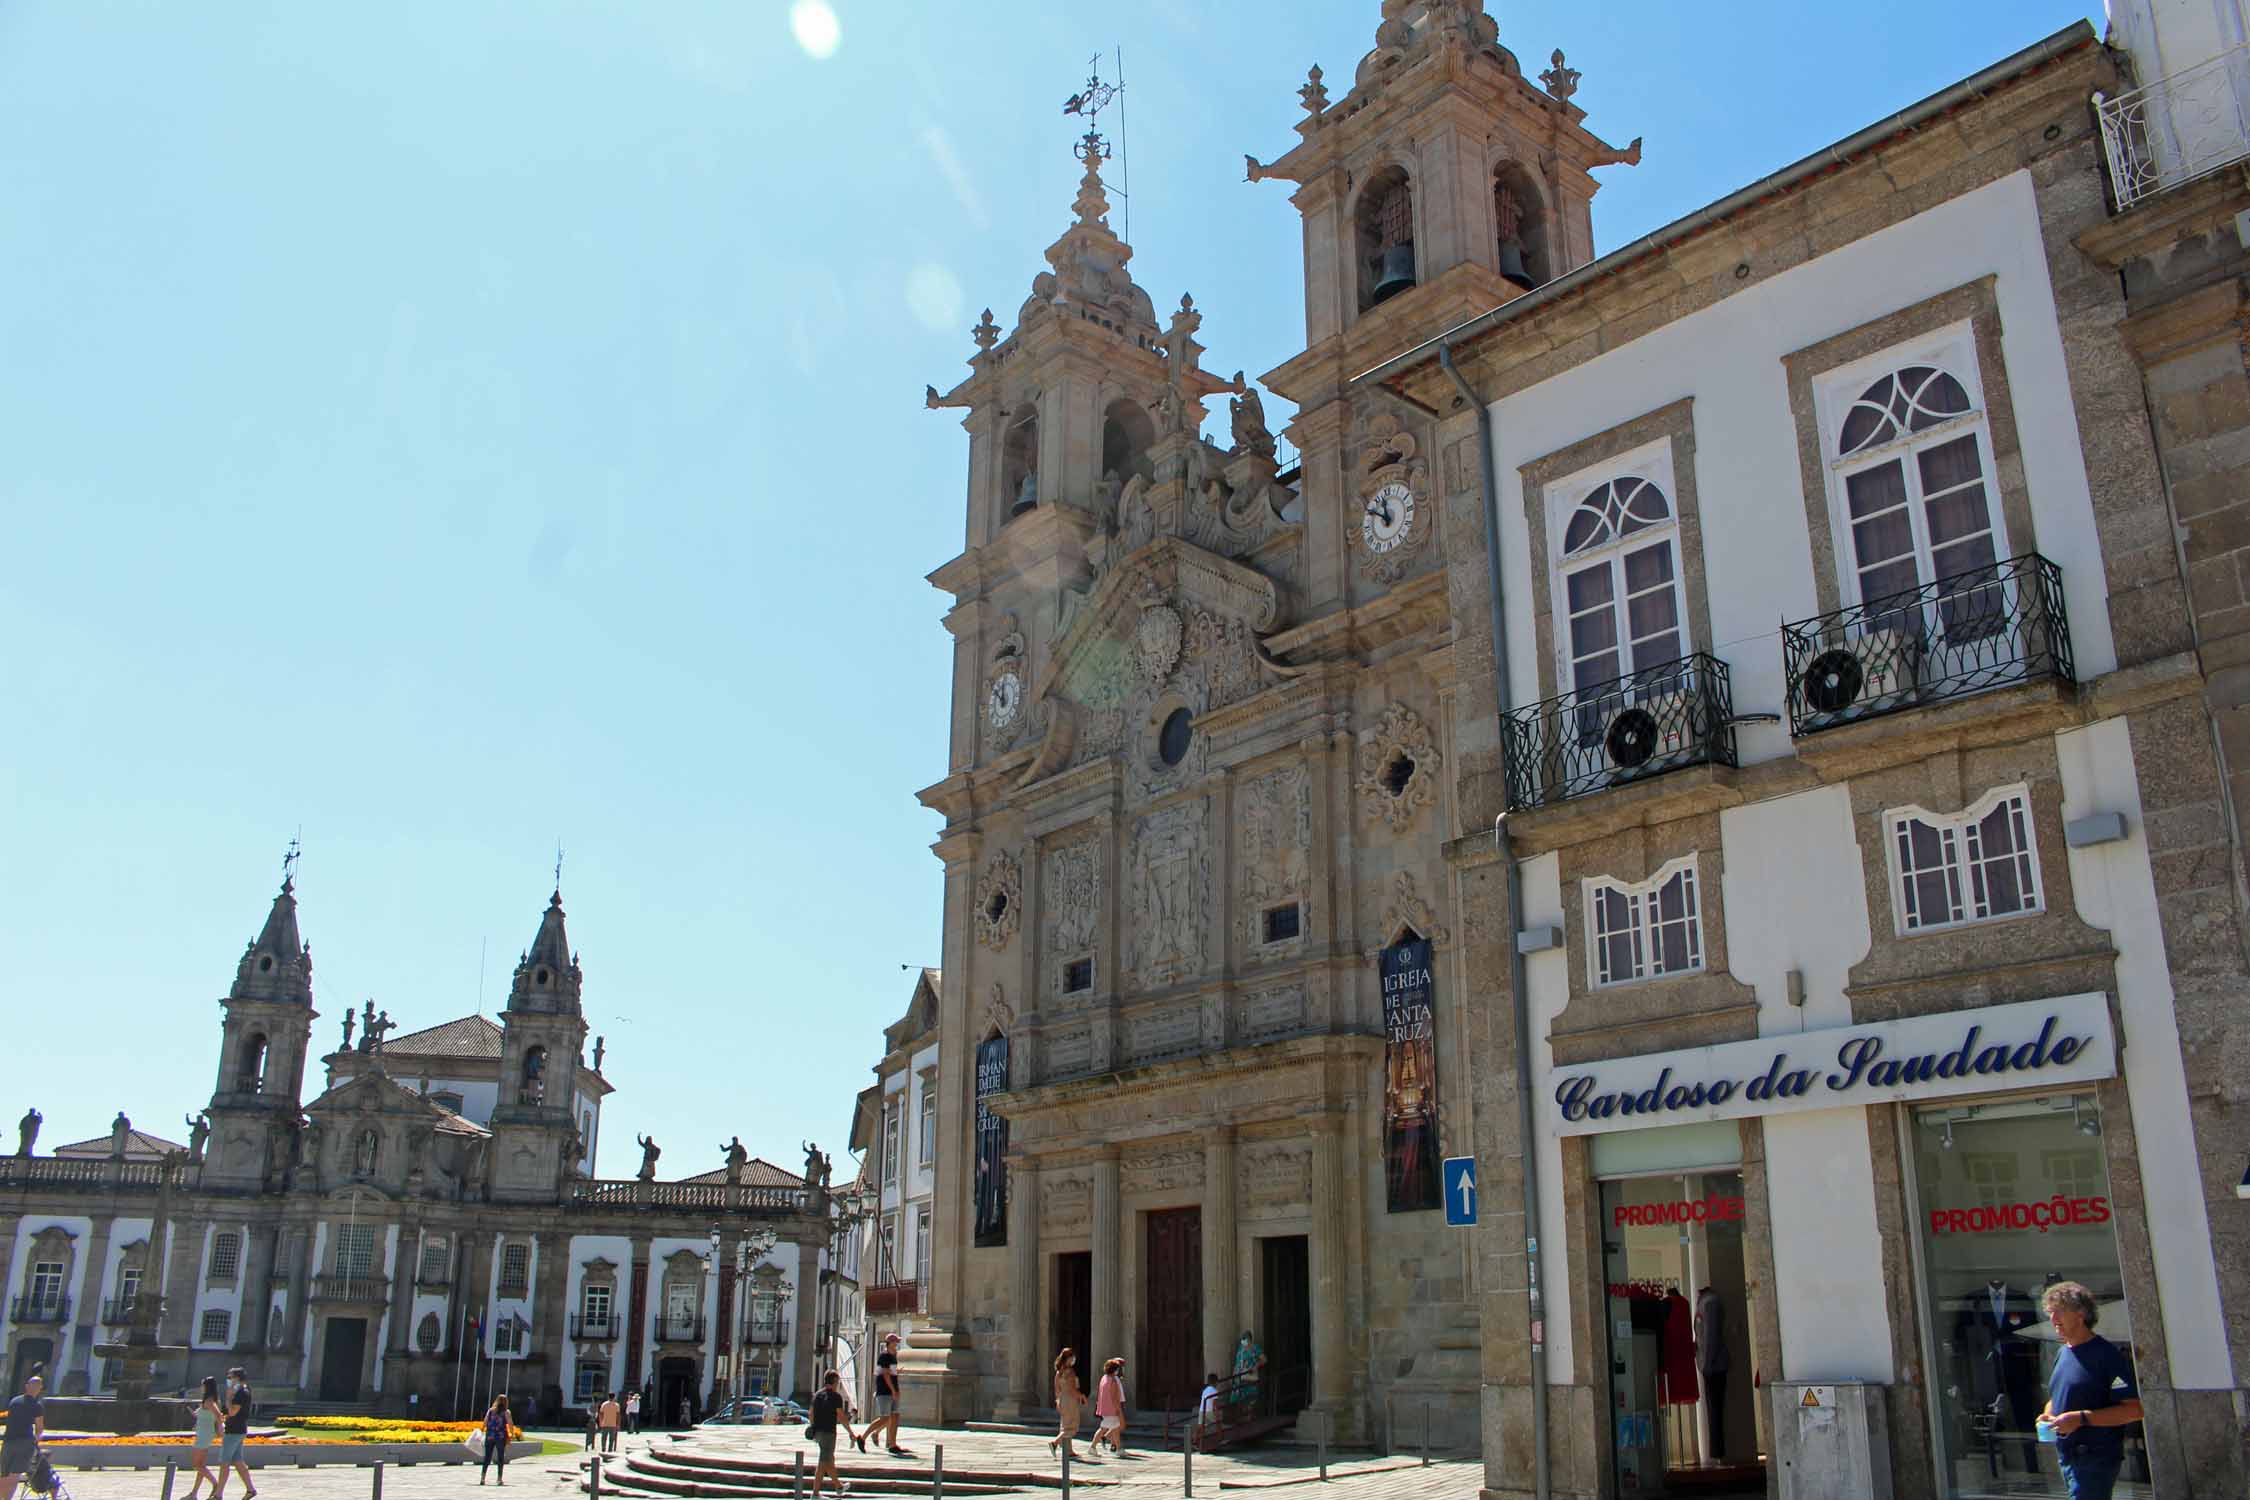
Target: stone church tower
(542, 1033)
(1203, 771)
(263, 1043)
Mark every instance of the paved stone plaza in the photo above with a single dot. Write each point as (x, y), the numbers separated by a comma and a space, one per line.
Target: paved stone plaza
(1146, 1472)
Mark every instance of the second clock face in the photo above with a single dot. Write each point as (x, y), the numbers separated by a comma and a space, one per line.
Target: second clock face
(1389, 517)
(1003, 699)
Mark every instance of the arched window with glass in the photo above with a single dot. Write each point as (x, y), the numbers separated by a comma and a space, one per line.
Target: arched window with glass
(1912, 459)
(1620, 581)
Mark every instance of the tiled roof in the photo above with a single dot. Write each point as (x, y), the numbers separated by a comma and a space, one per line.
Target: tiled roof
(470, 1036)
(139, 1146)
(759, 1173)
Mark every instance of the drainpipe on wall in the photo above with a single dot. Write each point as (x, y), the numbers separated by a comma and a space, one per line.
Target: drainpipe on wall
(1487, 474)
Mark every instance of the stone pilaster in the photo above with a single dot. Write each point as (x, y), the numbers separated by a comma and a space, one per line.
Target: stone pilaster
(1332, 1376)
(1109, 1260)
(1026, 1388)
(1221, 1314)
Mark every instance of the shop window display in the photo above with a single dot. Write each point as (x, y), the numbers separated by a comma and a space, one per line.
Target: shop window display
(2013, 1197)
(1683, 1414)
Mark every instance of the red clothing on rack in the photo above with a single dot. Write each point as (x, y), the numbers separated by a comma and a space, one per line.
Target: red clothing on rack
(1675, 1354)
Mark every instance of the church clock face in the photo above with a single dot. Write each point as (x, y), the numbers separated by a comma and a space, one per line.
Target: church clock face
(1389, 517)
(1003, 700)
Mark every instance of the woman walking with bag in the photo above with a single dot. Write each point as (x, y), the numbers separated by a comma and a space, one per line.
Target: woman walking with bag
(208, 1415)
(1109, 1407)
(495, 1438)
(1070, 1402)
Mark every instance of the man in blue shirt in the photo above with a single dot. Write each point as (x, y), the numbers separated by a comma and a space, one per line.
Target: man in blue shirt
(2091, 1397)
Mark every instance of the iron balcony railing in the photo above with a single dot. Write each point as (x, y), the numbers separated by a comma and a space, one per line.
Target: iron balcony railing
(1658, 719)
(893, 1297)
(350, 1288)
(37, 1309)
(2178, 128)
(675, 1328)
(1990, 627)
(593, 1326)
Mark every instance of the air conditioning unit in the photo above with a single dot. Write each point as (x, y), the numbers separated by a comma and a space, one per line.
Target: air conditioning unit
(1877, 671)
(1650, 736)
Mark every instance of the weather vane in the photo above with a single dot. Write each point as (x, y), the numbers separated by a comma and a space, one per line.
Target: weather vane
(558, 867)
(1088, 103)
(289, 858)
(1096, 96)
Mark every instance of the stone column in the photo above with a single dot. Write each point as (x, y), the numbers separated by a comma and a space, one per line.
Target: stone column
(1109, 1260)
(1222, 1318)
(1332, 1380)
(1025, 1386)
(808, 1361)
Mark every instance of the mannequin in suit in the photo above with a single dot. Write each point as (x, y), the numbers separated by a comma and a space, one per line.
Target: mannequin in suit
(1711, 1358)
(1992, 1332)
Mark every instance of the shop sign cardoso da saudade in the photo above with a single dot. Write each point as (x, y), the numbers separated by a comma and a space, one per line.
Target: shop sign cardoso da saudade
(2030, 1044)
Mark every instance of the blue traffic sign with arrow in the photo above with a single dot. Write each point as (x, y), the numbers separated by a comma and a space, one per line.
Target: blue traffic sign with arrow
(1461, 1190)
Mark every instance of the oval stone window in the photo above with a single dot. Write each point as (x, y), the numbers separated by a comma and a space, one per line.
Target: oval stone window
(1172, 739)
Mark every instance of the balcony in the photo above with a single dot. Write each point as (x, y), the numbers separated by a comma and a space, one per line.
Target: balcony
(1628, 729)
(1995, 626)
(119, 1311)
(2178, 128)
(39, 1309)
(594, 1326)
(350, 1288)
(678, 1328)
(894, 1297)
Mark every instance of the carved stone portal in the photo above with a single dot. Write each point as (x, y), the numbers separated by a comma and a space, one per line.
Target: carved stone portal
(1273, 822)
(1070, 897)
(1398, 765)
(999, 895)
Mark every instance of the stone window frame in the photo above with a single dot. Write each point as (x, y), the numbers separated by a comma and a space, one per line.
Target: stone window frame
(1696, 1008)
(513, 1273)
(52, 1247)
(2053, 951)
(1969, 313)
(226, 1245)
(1544, 478)
(219, 1318)
(584, 1391)
(1592, 887)
(1894, 821)
(337, 1263)
(425, 1272)
(925, 1144)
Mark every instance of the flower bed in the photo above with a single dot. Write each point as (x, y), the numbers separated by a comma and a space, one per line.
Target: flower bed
(148, 1439)
(388, 1429)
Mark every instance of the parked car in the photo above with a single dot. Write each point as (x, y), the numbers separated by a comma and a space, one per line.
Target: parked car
(736, 1414)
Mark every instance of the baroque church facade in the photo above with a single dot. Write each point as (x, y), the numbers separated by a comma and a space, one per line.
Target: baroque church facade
(427, 1227)
(1203, 770)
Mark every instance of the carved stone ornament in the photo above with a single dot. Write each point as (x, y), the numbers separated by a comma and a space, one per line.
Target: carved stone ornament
(999, 1015)
(1170, 891)
(1389, 463)
(1064, 1201)
(1156, 643)
(1162, 1171)
(1408, 909)
(999, 896)
(1070, 895)
(1277, 1174)
(1398, 764)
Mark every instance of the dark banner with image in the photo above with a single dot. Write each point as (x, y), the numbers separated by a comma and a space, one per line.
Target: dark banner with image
(992, 1144)
(1410, 1108)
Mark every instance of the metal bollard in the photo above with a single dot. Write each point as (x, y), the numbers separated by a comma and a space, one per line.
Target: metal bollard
(1187, 1460)
(797, 1476)
(171, 1471)
(379, 1477)
(1066, 1472)
(1425, 1434)
(1324, 1447)
(937, 1473)
(596, 1492)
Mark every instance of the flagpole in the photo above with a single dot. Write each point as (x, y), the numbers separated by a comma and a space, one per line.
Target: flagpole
(460, 1343)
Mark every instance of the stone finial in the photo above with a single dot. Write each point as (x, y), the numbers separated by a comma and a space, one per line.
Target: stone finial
(1314, 95)
(1179, 339)
(1092, 204)
(1560, 81)
(987, 332)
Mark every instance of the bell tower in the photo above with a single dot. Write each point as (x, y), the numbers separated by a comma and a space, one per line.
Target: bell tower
(542, 1032)
(1442, 185)
(264, 1039)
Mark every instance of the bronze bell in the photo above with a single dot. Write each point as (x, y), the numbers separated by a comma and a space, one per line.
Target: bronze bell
(1394, 271)
(1512, 266)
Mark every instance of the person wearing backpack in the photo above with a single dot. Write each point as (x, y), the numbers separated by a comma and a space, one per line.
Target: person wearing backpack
(19, 1443)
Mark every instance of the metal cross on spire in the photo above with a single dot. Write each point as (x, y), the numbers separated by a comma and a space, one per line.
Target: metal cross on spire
(1090, 148)
(558, 866)
(289, 858)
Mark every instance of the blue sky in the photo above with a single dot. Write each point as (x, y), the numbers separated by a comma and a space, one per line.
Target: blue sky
(454, 426)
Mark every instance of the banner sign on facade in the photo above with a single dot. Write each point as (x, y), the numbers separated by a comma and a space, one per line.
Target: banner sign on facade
(2031, 1044)
(992, 1144)
(1410, 1106)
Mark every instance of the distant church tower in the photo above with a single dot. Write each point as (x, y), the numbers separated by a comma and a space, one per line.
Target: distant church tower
(541, 1034)
(264, 1040)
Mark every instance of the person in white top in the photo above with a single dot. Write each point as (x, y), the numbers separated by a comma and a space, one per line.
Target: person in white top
(633, 1412)
(1207, 1409)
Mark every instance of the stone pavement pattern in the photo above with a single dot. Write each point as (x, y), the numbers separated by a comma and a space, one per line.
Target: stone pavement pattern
(1353, 1477)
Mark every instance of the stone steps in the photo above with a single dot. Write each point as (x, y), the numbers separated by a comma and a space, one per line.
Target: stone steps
(685, 1472)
